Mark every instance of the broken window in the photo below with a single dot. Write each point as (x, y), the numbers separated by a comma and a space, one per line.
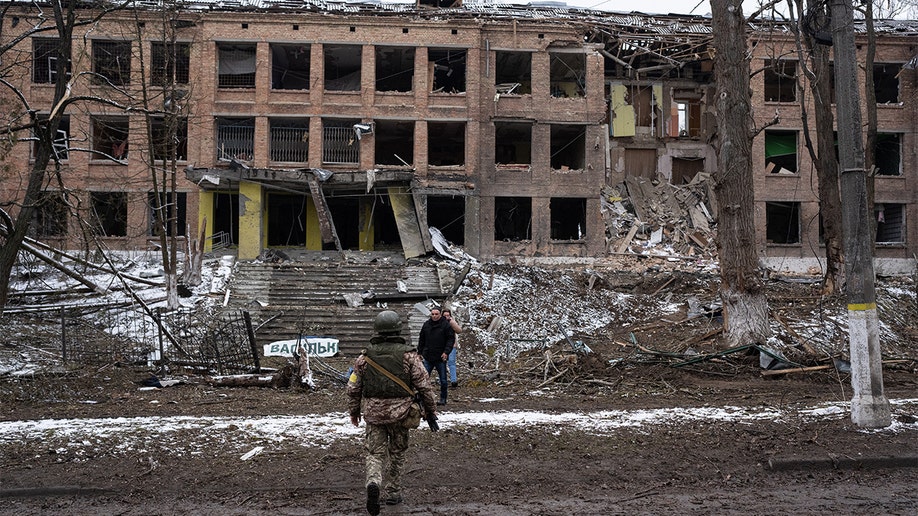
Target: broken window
(447, 213)
(568, 218)
(780, 152)
(567, 74)
(286, 218)
(109, 137)
(394, 142)
(168, 210)
(568, 147)
(782, 222)
(289, 139)
(513, 72)
(236, 65)
(170, 63)
(61, 144)
(886, 82)
(111, 62)
(50, 216)
(342, 67)
(890, 223)
(512, 219)
(44, 60)
(685, 169)
(888, 154)
(685, 114)
(226, 220)
(445, 143)
(235, 139)
(290, 66)
(512, 143)
(780, 80)
(170, 138)
(394, 69)
(109, 213)
(446, 70)
(340, 144)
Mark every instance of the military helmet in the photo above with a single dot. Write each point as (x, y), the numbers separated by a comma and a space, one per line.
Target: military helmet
(387, 322)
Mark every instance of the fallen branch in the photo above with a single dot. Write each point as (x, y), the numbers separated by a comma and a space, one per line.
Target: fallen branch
(776, 372)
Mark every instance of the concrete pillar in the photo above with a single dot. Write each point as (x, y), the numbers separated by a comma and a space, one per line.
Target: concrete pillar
(250, 220)
(206, 213)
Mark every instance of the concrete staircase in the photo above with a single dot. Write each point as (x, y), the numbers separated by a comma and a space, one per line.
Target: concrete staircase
(291, 298)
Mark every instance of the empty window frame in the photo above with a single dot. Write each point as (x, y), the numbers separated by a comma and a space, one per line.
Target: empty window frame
(512, 219)
(890, 223)
(447, 213)
(886, 82)
(50, 216)
(109, 137)
(568, 147)
(512, 143)
(685, 113)
(111, 62)
(290, 65)
(567, 74)
(235, 65)
(342, 67)
(445, 144)
(781, 152)
(235, 139)
(513, 72)
(109, 213)
(888, 154)
(394, 142)
(170, 138)
(287, 215)
(167, 210)
(170, 63)
(44, 60)
(568, 218)
(339, 141)
(289, 139)
(60, 145)
(782, 222)
(685, 170)
(395, 69)
(780, 80)
(446, 70)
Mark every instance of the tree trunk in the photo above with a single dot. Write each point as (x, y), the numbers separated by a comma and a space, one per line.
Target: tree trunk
(745, 305)
(870, 101)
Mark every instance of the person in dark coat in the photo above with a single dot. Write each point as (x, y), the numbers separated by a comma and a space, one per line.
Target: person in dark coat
(435, 342)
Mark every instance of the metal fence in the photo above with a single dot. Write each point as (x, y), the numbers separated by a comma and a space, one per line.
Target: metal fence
(289, 143)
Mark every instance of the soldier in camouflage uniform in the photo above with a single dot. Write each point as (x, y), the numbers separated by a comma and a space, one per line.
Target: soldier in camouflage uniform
(390, 411)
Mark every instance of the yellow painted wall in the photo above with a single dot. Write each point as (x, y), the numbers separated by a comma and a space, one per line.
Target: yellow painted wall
(622, 112)
(313, 233)
(251, 203)
(206, 213)
(367, 233)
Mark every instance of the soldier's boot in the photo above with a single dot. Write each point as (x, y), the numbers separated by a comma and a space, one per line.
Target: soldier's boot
(393, 498)
(373, 498)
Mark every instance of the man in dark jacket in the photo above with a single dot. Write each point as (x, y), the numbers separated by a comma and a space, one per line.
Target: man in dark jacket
(435, 342)
(383, 377)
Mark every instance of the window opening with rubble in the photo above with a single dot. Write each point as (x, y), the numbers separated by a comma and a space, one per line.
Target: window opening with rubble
(888, 154)
(395, 69)
(513, 72)
(170, 141)
(685, 170)
(287, 214)
(111, 62)
(512, 219)
(568, 147)
(886, 82)
(445, 144)
(890, 219)
(685, 113)
(289, 139)
(339, 141)
(780, 76)
(394, 142)
(342, 67)
(568, 218)
(50, 216)
(781, 152)
(512, 143)
(109, 213)
(290, 66)
(446, 70)
(170, 63)
(782, 222)
(235, 65)
(567, 74)
(235, 139)
(61, 144)
(226, 219)
(110, 137)
(44, 60)
(447, 213)
(169, 210)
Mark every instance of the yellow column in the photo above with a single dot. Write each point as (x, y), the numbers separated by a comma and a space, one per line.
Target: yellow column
(313, 235)
(206, 215)
(251, 201)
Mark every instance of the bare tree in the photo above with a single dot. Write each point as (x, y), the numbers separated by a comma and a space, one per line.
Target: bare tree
(742, 291)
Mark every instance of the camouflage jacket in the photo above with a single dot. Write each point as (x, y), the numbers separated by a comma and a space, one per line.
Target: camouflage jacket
(383, 411)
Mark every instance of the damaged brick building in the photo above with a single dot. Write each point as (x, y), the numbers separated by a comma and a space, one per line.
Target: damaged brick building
(357, 126)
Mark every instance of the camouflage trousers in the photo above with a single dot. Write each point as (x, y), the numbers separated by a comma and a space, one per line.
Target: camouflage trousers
(386, 447)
